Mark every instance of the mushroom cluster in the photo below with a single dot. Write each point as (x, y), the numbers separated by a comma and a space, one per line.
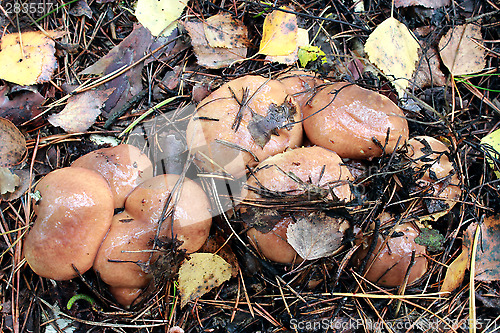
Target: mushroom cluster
(76, 228)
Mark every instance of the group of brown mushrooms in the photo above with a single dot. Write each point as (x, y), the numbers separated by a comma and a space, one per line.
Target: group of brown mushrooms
(290, 136)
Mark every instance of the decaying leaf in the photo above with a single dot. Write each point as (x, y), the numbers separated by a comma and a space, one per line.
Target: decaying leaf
(159, 16)
(217, 244)
(81, 111)
(223, 31)
(424, 3)
(290, 59)
(279, 34)
(487, 256)
(201, 273)
(8, 181)
(214, 57)
(28, 58)
(262, 219)
(428, 73)
(317, 235)
(394, 50)
(12, 144)
(461, 50)
(81, 8)
(430, 238)
(20, 105)
(491, 146)
(277, 117)
(21, 188)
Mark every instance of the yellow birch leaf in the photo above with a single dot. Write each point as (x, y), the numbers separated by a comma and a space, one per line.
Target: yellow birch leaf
(491, 145)
(459, 51)
(279, 34)
(27, 58)
(290, 59)
(394, 50)
(158, 15)
(201, 273)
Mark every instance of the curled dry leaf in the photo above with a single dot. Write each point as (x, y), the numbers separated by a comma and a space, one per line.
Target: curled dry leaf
(8, 181)
(216, 57)
(28, 58)
(461, 50)
(316, 236)
(201, 273)
(12, 144)
(81, 111)
(21, 105)
(279, 34)
(159, 15)
(393, 49)
(21, 188)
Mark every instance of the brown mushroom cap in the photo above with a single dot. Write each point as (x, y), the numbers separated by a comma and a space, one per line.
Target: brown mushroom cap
(345, 117)
(322, 166)
(73, 216)
(210, 133)
(301, 85)
(428, 154)
(125, 296)
(390, 266)
(124, 167)
(129, 240)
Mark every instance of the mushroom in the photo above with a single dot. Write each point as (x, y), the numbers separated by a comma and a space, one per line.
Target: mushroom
(301, 85)
(348, 119)
(243, 122)
(124, 167)
(73, 216)
(128, 247)
(313, 172)
(388, 264)
(428, 158)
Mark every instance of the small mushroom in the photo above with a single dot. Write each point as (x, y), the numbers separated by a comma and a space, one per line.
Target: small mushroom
(243, 122)
(74, 213)
(350, 120)
(301, 85)
(388, 265)
(312, 172)
(428, 158)
(127, 250)
(124, 167)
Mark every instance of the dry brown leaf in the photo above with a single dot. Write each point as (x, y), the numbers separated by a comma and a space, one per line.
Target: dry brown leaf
(12, 144)
(208, 56)
(28, 58)
(393, 49)
(223, 31)
(8, 181)
(279, 34)
(21, 188)
(316, 236)
(21, 105)
(428, 72)
(200, 274)
(81, 111)
(460, 51)
(424, 3)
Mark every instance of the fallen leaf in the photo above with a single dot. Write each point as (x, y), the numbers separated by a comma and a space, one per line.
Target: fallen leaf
(159, 15)
(128, 52)
(393, 49)
(316, 236)
(279, 34)
(431, 239)
(487, 256)
(217, 244)
(223, 31)
(20, 105)
(424, 3)
(211, 57)
(200, 274)
(28, 58)
(277, 117)
(12, 144)
(81, 8)
(491, 146)
(428, 73)
(8, 181)
(461, 50)
(310, 53)
(290, 59)
(81, 111)
(21, 188)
